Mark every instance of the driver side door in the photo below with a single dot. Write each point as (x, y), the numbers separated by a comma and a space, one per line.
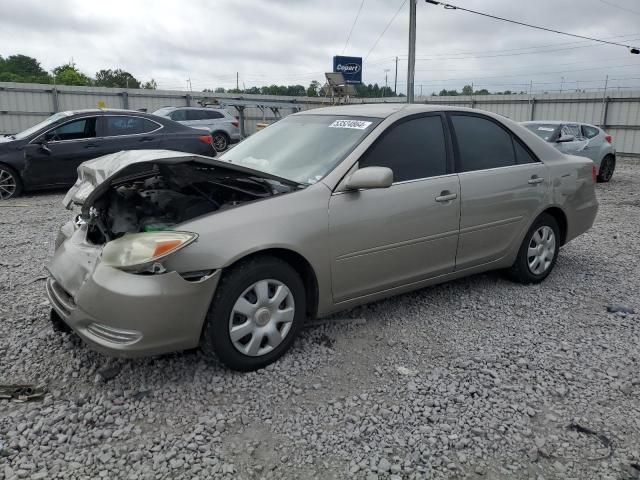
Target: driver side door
(385, 238)
(54, 156)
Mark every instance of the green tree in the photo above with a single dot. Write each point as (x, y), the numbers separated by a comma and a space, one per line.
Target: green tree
(151, 85)
(313, 89)
(467, 90)
(219, 90)
(69, 74)
(21, 68)
(117, 78)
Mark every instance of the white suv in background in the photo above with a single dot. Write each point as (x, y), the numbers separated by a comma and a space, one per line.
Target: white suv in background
(223, 126)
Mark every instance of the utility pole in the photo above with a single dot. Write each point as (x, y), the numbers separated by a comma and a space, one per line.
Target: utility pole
(561, 83)
(411, 67)
(189, 84)
(395, 82)
(237, 81)
(386, 83)
(604, 98)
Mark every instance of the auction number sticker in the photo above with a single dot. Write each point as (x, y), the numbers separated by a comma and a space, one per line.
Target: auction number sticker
(546, 129)
(357, 124)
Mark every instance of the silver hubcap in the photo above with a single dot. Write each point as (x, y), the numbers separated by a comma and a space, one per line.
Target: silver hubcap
(542, 249)
(220, 142)
(8, 184)
(261, 318)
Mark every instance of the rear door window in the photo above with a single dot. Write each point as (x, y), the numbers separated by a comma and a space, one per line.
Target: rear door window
(123, 125)
(413, 149)
(213, 115)
(589, 132)
(75, 130)
(178, 115)
(196, 115)
(482, 143)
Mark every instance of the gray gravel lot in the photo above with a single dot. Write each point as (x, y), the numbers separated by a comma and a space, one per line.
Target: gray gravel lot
(479, 378)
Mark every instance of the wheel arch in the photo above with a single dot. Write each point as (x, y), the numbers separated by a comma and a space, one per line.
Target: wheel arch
(561, 218)
(300, 264)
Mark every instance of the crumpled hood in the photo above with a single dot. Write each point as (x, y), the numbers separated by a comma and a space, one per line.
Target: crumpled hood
(99, 171)
(4, 139)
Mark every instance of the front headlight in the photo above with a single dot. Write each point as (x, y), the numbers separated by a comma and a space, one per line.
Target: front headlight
(139, 249)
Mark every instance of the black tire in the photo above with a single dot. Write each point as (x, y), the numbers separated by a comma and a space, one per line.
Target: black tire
(58, 323)
(216, 338)
(520, 271)
(220, 141)
(10, 182)
(607, 166)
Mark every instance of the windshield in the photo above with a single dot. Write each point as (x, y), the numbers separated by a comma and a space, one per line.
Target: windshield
(302, 148)
(545, 131)
(45, 123)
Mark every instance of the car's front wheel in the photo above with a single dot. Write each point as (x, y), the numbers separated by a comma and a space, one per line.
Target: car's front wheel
(220, 141)
(607, 166)
(539, 251)
(10, 183)
(257, 311)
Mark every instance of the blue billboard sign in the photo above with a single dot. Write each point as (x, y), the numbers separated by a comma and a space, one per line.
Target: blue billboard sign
(350, 67)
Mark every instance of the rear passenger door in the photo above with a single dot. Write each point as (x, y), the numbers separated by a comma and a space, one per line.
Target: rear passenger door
(595, 143)
(576, 146)
(502, 187)
(198, 119)
(389, 237)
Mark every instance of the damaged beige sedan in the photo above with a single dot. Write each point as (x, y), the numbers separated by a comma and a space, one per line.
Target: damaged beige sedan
(322, 211)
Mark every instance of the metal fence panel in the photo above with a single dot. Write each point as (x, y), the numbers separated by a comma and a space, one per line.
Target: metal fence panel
(22, 105)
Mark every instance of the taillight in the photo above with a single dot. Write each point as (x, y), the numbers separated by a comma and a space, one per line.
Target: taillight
(594, 173)
(208, 139)
(235, 124)
(608, 138)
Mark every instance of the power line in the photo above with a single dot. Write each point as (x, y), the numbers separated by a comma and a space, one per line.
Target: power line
(499, 53)
(385, 29)
(620, 7)
(353, 25)
(448, 6)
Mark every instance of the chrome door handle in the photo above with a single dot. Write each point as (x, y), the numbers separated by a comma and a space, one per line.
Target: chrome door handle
(535, 180)
(446, 197)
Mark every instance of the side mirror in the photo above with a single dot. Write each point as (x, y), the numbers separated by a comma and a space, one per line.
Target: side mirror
(370, 177)
(37, 147)
(566, 138)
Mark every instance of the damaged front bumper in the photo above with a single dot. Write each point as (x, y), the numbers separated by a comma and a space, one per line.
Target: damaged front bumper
(125, 314)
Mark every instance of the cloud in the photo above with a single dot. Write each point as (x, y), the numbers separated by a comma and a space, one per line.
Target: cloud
(292, 41)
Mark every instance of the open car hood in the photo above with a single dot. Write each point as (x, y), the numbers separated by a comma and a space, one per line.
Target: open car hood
(94, 176)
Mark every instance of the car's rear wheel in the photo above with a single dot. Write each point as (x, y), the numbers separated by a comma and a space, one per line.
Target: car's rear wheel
(256, 314)
(539, 251)
(220, 141)
(10, 183)
(607, 166)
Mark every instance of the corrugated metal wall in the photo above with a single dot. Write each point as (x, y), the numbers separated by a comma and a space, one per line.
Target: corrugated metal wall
(22, 105)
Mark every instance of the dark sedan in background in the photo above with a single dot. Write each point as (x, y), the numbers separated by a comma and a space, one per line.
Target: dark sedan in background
(48, 154)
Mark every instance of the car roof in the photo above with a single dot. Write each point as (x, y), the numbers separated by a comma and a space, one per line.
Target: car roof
(556, 122)
(104, 110)
(171, 107)
(384, 110)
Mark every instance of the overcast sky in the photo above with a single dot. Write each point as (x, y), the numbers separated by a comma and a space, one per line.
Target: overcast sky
(293, 41)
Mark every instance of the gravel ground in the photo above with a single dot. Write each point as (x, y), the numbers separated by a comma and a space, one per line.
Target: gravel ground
(478, 378)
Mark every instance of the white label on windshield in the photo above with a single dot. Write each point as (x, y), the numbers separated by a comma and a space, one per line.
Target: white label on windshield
(357, 124)
(546, 129)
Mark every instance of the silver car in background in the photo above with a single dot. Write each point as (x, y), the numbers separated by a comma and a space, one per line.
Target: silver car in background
(322, 211)
(224, 127)
(583, 139)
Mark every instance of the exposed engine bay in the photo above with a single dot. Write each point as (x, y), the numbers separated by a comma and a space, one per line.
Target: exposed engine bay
(153, 197)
